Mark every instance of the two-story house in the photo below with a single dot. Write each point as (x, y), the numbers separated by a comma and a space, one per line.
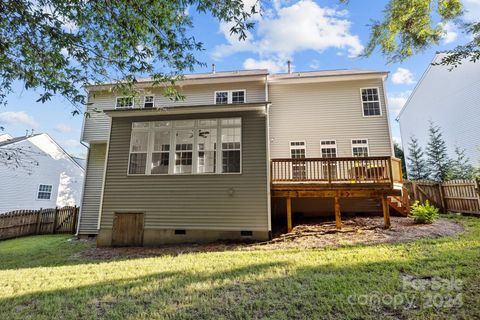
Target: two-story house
(242, 150)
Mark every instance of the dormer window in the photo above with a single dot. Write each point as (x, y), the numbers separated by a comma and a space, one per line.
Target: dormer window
(221, 97)
(230, 97)
(238, 96)
(148, 102)
(124, 102)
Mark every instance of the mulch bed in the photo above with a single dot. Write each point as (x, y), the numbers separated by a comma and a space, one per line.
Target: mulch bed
(358, 230)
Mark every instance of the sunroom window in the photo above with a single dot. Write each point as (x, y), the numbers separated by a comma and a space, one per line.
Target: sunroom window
(138, 152)
(186, 147)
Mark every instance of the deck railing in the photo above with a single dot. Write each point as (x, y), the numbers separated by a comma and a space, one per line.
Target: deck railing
(337, 170)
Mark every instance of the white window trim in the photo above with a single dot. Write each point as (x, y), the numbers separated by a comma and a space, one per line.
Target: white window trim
(328, 146)
(230, 96)
(145, 97)
(38, 191)
(362, 145)
(171, 165)
(297, 147)
(379, 102)
(120, 97)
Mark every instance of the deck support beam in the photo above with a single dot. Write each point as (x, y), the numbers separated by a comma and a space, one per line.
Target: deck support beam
(338, 218)
(386, 212)
(289, 214)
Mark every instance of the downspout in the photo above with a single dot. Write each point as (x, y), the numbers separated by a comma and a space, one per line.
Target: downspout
(104, 176)
(85, 173)
(267, 135)
(392, 150)
(83, 188)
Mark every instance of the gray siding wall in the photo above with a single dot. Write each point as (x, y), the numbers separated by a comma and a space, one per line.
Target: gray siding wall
(92, 190)
(191, 201)
(96, 126)
(325, 111)
(451, 99)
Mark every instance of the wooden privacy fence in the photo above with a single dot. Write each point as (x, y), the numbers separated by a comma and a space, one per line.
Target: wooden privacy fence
(43, 221)
(456, 195)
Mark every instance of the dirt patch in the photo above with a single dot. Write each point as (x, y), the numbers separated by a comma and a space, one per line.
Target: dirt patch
(359, 230)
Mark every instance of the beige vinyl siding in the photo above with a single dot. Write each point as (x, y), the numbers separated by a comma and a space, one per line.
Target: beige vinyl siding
(325, 111)
(96, 126)
(191, 201)
(92, 190)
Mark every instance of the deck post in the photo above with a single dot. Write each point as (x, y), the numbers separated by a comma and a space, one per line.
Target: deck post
(289, 214)
(386, 212)
(338, 218)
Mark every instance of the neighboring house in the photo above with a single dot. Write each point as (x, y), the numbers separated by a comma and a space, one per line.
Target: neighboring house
(451, 99)
(35, 172)
(241, 154)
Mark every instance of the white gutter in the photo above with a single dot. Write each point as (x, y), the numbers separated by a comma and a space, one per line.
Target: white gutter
(267, 137)
(385, 98)
(104, 178)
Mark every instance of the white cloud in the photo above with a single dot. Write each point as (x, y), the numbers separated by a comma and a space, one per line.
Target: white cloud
(63, 128)
(402, 76)
(450, 33)
(70, 143)
(397, 101)
(285, 30)
(18, 118)
(315, 64)
(472, 10)
(274, 66)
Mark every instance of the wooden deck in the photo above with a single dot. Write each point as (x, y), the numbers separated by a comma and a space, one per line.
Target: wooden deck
(366, 177)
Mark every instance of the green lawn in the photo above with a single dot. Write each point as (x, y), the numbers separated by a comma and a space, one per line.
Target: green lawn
(43, 277)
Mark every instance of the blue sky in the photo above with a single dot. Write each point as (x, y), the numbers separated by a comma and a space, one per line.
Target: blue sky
(315, 35)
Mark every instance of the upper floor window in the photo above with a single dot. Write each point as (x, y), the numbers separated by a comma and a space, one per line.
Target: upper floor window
(371, 102)
(360, 147)
(328, 148)
(44, 192)
(297, 149)
(186, 147)
(232, 96)
(124, 102)
(148, 102)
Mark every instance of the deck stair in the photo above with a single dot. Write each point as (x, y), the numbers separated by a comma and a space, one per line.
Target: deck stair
(398, 205)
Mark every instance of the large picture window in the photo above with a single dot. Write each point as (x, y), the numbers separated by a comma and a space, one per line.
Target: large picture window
(186, 147)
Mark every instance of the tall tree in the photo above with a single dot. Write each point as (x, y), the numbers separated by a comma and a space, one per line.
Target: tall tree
(439, 163)
(398, 151)
(417, 167)
(411, 26)
(57, 46)
(461, 167)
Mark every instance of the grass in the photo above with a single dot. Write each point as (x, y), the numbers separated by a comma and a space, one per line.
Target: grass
(43, 277)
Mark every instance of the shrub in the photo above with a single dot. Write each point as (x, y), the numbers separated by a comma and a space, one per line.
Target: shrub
(423, 213)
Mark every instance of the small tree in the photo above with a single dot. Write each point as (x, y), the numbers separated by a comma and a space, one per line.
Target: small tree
(461, 167)
(417, 167)
(438, 162)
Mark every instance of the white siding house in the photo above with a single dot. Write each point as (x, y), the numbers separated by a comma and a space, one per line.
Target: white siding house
(451, 99)
(35, 172)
